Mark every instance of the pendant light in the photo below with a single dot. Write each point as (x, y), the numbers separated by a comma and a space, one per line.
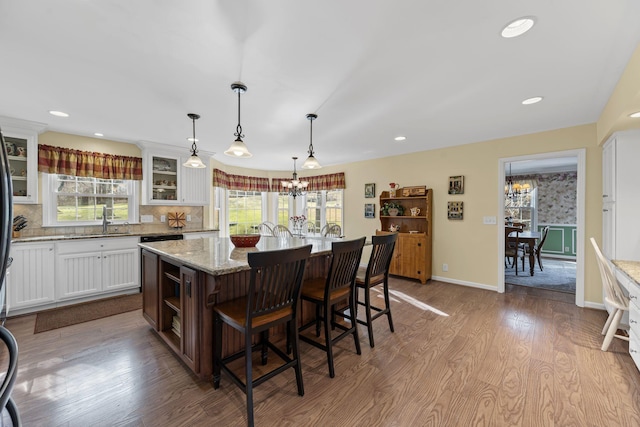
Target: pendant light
(194, 161)
(311, 162)
(238, 148)
(295, 187)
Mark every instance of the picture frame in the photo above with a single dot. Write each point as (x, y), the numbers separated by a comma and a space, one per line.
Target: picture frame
(369, 191)
(456, 184)
(369, 210)
(455, 210)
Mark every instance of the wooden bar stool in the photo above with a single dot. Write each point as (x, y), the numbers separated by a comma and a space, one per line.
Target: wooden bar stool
(326, 293)
(272, 299)
(376, 273)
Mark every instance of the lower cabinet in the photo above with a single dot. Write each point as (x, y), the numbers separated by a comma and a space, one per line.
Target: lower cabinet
(634, 316)
(411, 257)
(30, 280)
(44, 274)
(95, 266)
(170, 305)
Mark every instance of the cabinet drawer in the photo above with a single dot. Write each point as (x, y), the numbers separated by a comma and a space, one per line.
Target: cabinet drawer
(634, 317)
(634, 347)
(97, 245)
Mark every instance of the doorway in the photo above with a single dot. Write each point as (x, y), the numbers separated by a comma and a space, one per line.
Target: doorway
(574, 241)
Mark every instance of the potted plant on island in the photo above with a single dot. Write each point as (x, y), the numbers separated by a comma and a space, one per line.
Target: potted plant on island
(392, 209)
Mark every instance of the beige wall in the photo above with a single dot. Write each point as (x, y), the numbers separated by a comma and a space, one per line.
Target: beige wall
(470, 248)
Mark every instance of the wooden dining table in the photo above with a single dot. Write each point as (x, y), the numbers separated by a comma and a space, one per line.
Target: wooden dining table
(529, 238)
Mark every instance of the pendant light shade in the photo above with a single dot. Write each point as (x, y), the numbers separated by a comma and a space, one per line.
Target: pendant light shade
(311, 162)
(238, 148)
(194, 161)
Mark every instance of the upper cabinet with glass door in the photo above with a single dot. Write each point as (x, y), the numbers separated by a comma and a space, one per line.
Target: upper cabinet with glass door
(164, 179)
(21, 143)
(167, 182)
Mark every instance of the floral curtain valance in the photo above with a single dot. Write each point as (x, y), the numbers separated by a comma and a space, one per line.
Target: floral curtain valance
(66, 161)
(333, 181)
(239, 182)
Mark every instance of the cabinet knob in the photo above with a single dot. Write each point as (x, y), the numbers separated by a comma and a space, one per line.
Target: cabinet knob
(631, 296)
(605, 210)
(632, 321)
(633, 351)
(605, 195)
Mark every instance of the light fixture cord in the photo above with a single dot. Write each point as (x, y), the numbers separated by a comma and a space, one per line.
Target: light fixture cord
(238, 133)
(310, 140)
(194, 147)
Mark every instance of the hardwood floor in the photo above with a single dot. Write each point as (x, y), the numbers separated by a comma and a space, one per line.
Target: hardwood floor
(459, 357)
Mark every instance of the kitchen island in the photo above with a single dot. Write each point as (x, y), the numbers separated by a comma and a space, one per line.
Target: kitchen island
(183, 279)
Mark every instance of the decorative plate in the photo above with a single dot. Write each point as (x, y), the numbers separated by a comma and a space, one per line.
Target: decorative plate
(176, 219)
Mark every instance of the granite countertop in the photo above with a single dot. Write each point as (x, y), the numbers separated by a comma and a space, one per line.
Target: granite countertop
(218, 256)
(101, 236)
(630, 268)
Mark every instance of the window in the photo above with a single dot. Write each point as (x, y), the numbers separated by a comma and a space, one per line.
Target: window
(324, 207)
(283, 210)
(522, 208)
(74, 201)
(245, 211)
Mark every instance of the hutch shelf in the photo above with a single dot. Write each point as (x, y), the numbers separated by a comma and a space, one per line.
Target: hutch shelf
(413, 252)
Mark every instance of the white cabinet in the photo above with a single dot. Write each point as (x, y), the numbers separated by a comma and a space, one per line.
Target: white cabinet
(167, 182)
(96, 266)
(30, 282)
(632, 318)
(621, 204)
(21, 141)
(200, 235)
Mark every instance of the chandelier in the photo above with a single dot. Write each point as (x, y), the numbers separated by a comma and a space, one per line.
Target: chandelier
(514, 190)
(295, 187)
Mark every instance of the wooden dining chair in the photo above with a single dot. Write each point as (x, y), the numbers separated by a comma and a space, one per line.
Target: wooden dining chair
(537, 251)
(512, 248)
(326, 293)
(282, 231)
(272, 299)
(614, 295)
(376, 273)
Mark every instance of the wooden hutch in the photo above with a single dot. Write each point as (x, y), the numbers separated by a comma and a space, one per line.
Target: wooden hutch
(413, 252)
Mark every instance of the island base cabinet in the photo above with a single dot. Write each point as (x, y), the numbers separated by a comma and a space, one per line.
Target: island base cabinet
(150, 295)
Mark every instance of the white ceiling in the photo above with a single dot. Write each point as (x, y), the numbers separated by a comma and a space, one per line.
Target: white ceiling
(437, 72)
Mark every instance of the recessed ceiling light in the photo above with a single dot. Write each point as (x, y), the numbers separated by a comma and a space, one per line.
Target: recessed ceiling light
(635, 115)
(518, 27)
(192, 139)
(400, 138)
(98, 134)
(58, 113)
(533, 100)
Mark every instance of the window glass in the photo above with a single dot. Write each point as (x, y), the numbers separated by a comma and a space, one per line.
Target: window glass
(324, 207)
(79, 200)
(283, 209)
(245, 211)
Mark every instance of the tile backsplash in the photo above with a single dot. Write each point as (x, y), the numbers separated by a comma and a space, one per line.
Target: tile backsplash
(34, 228)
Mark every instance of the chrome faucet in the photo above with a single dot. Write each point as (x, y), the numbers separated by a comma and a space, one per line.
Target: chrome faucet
(104, 219)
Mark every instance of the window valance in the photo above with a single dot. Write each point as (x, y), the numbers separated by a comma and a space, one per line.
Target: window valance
(239, 182)
(334, 181)
(66, 161)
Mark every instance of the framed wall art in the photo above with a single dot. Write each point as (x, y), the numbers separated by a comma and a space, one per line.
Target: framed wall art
(369, 210)
(370, 191)
(456, 184)
(454, 210)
